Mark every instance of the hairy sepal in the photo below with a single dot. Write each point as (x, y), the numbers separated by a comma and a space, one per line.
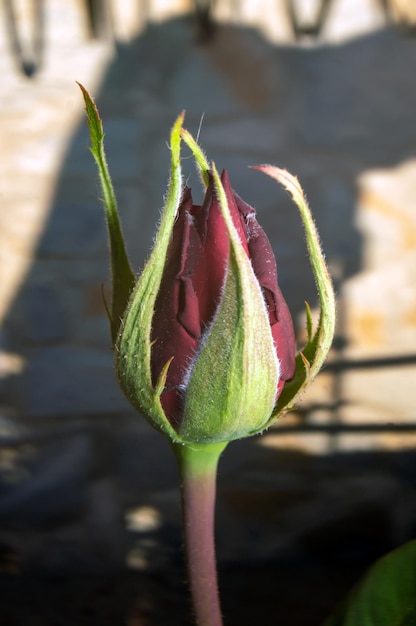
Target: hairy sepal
(310, 360)
(238, 400)
(134, 344)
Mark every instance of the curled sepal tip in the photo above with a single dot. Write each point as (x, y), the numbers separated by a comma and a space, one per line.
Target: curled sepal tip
(310, 360)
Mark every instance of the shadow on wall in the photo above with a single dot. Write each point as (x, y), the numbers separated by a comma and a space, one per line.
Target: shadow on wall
(326, 113)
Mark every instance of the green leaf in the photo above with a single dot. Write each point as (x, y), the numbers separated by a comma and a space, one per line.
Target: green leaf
(387, 594)
(121, 272)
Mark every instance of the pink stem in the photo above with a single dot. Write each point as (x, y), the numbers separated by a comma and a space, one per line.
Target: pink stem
(198, 470)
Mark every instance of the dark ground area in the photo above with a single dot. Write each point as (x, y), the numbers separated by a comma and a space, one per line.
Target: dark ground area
(292, 539)
(284, 593)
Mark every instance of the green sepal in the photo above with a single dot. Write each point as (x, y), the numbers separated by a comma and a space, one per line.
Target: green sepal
(122, 276)
(309, 323)
(310, 360)
(238, 347)
(133, 347)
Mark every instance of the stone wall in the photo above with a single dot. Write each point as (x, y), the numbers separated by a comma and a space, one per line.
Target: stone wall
(87, 484)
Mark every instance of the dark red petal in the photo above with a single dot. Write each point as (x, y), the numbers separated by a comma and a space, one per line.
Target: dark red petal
(190, 289)
(235, 210)
(170, 335)
(284, 338)
(209, 273)
(188, 307)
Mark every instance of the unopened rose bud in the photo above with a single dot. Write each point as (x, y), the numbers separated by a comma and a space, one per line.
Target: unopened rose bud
(220, 314)
(204, 346)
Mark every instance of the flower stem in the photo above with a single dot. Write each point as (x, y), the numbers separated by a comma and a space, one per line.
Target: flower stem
(198, 471)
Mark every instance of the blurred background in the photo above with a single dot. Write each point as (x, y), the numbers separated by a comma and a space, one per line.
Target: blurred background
(89, 509)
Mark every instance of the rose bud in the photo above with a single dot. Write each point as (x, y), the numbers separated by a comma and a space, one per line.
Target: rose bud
(189, 306)
(221, 336)
(204, 343)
